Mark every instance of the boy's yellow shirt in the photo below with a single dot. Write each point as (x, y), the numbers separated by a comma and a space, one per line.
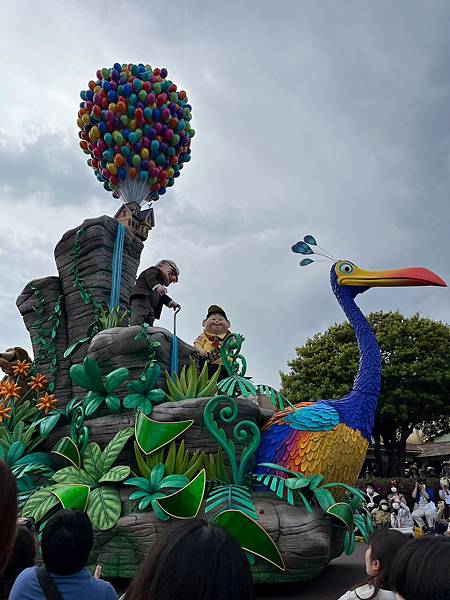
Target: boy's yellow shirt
(209, 342)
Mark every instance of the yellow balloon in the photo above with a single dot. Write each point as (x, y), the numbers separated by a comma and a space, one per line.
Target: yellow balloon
(86, 119)
(145, 153)
(133, 124)
(112, 168)
(113, 107)
(94, 134)
(80, 123)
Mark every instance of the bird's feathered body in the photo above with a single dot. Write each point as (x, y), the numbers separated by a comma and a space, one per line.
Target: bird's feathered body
(331, 437)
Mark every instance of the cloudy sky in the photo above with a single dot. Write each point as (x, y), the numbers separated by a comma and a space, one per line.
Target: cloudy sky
(312, 117)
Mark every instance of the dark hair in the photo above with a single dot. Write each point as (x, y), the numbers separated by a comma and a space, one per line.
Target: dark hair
(66, 542)
(23, 554)
(421, 569)
(8, 513)
(384, 545)
(193, 560)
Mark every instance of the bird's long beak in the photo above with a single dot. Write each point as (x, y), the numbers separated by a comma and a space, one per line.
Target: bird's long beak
(412, 276)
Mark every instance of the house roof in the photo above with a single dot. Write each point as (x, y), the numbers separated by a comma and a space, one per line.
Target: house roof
(137, 214)
(433, 450)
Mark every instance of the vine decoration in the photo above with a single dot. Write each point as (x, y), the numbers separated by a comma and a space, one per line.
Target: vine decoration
(152, 346)
(237, 494)
(85, 295)
(46, 335)
(236, 384)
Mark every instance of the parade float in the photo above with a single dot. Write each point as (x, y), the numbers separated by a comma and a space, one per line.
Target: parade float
(120, 421)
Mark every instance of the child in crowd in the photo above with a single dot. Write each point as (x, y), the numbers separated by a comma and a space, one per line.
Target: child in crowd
(401, 517)
(380, 515)
(383, 546)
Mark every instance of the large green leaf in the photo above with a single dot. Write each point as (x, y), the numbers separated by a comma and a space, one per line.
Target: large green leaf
(112, 402)
(251, 536)
(116, 474)
(153, 435)
(40, 503)
(72, 497)
(92, 402)
(73, 475)
(92, 460)
(48, 424)
(324, 498)
(143, 468)
(343, 512)
(93, 374)
(15, 452)
(185, 503)
(231, 497)
(115, 379)
(114, 448)
(67, 448)
(104, 507)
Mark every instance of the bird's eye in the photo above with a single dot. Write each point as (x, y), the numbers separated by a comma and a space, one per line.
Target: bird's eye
(346, 268)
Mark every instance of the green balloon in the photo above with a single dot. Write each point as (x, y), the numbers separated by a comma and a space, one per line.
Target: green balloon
(125, 151)
(118, 137)
(173, 97)
(136, 160)
(157, 88)
(105, 72)
(142, 95)
(124, 119)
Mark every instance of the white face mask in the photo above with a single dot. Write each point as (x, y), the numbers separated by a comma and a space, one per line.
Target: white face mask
(395, 505)
(384, 507)
(369, 491)
(394, 490)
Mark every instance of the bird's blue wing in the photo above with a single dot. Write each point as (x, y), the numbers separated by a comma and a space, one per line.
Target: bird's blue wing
(314, 417)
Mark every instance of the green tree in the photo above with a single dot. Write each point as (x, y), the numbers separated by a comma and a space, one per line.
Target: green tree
(415, 384)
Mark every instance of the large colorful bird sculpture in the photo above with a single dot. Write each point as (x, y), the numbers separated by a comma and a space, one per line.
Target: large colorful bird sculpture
(331, 437)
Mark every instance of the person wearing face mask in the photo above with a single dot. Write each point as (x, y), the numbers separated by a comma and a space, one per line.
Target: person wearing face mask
(424, 505)
(372, 497)
(395, 492)
(401, 518)
(444, 494)
(380, 515)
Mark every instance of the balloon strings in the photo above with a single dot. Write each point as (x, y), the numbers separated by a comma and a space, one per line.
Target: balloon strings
(134, 190)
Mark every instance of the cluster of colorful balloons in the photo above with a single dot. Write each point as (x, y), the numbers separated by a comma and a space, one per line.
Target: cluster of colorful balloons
(135, 125)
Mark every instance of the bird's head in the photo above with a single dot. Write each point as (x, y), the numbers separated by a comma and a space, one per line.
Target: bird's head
(349, 279)
(345, 274)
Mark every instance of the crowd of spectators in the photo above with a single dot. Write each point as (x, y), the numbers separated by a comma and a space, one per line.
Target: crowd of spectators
(424, 512)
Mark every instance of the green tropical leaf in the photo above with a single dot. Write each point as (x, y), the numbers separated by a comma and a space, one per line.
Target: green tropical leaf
(343, 512)
(159, 513)
(112, 402)
(171, 463)
(40, 503)
(69, 450)
(114, 448)
(143, 468)
(92, 402)
(314, 481)
(294, 483)
(156, 475)
(104, 507)
(15, 452)
(349, 543)
(92, 459)
(115, 379)
(156, 396)
(203, 378)
(72, 497)
(140, 482)
(174, 392)
(115, 474)
(73, 475)
(231, 497)
(182, 380)
(324, 498)
(93, 375)
(173, 481)
(48, 424)
(185, 503)
(251, 536)
(211, 387)
(153, 435)
(133, 400)
(192, 380)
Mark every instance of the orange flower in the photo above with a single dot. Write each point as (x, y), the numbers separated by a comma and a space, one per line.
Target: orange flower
(4, 412)
(47, 402)
(38, 382)
(9, 389)
(21, 368)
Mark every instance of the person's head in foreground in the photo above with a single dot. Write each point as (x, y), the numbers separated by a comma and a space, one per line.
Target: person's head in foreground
(8, 513)
(421, 570)
(66, 542)
(383, 547)
(193, 560)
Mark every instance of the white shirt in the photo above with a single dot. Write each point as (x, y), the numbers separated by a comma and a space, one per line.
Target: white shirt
(366, 591)
(445, 497)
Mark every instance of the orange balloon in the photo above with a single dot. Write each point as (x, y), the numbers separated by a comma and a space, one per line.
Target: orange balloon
(132, 172)
(119, 160)
(121, 107)
(92, 85)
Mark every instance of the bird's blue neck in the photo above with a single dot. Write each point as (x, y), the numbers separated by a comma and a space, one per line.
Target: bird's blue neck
(357, 409)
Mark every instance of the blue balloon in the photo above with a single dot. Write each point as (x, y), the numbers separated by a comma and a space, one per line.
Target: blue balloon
(108, 138)
(108, 155)
(122, 173)
(106, 86)
(126, 89)
(162, 191)
(89, 95)
(133, 99)
(154, 146)
(156, 114)
(132, 137)
(83, 96)
(112, 96)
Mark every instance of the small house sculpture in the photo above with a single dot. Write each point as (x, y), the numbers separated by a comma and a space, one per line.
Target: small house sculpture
(139, 221)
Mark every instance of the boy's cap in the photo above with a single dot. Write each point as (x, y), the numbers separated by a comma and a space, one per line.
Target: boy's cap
(214, 309)
(171, 263)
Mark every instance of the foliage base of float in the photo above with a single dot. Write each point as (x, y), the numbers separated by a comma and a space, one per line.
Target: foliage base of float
(307, 542)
